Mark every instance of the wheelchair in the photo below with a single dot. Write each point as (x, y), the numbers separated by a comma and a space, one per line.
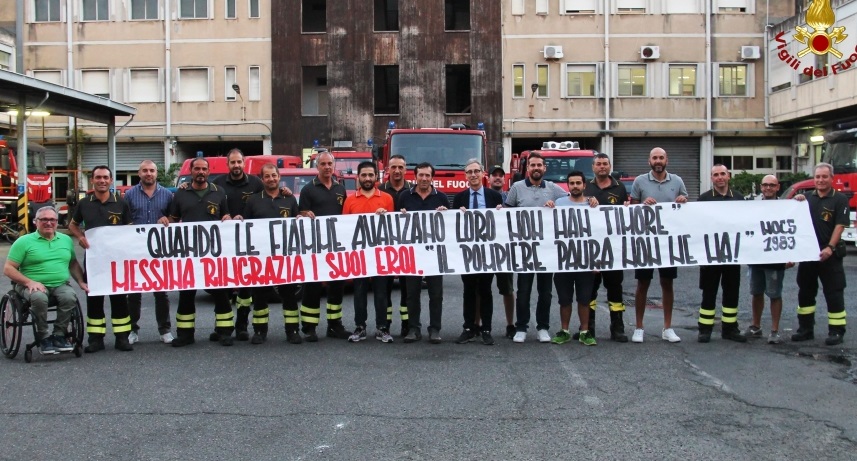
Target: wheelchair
(15, 315)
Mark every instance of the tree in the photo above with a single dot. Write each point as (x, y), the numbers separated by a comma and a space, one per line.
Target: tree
(78, 139)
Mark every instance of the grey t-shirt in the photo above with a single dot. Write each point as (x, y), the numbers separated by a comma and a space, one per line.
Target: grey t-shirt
(668, 190)
(524, 194)
(566, 201)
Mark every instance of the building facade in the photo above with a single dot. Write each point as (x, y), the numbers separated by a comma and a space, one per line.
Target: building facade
(344, 70)
(624, 76)
(176, 61)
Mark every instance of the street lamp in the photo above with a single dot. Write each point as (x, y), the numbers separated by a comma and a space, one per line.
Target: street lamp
(237, 90)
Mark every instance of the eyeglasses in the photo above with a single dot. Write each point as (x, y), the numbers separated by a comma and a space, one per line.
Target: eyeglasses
(768, 185)
(472, 172)
(47, 220)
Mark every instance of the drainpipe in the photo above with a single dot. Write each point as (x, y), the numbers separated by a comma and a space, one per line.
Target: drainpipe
(608, 137)
(169, 147)
(767, 65)
(707, 157)
(69, 53)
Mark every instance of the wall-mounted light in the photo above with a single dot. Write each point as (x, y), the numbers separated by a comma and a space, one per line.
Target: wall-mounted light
(816, 139)
(29, 113)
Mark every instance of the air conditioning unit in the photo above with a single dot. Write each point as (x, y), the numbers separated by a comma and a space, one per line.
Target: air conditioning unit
(650, 52)
(750, 52)
(553, 52)
(802, 150)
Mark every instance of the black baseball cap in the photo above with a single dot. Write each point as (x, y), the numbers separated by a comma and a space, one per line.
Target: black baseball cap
(497, 167)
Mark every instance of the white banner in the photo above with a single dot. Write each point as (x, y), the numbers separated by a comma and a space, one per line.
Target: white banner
(124, 259)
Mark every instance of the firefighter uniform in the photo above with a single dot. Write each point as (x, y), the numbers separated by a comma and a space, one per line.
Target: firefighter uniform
(827, 212)
(725, 276)
(403, 290)
(92, 213)
(263, 206)
(316, 197)
(191, 205)
(614, 194)
(237, 193)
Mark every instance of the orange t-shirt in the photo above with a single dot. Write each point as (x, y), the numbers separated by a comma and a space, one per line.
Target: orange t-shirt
(358, 203)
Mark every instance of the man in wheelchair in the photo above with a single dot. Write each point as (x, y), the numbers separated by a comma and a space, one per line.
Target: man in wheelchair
(39, 265)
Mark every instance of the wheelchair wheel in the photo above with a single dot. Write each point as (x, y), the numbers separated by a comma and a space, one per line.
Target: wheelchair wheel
(77, 329)
(10, 325)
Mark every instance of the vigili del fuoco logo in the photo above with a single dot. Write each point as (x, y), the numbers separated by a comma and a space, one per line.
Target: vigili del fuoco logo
(819, 17)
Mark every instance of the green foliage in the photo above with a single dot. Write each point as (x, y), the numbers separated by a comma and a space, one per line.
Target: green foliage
(167, 178)
(788, 179)
(743, 182)
(77, 139)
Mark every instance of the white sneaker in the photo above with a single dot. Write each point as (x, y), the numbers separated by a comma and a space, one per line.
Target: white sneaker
(669, 335)
(133, 338)
(520, 337)
(544, 336)
(167, 338)
(639, 333)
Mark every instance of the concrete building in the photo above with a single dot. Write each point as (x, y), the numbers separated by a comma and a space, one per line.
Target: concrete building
(344, 70)
(624, 76)
(812, 93)
(176, 61)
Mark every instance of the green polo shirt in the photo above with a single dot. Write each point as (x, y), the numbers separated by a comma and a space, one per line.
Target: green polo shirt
(42, 260)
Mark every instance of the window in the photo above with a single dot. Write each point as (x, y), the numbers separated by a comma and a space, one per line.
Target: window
(542, 80)
(5, 59)
(314, 100)
(632, 80)
(47, 10)
(96, 82)
(518, 7)
(518, 81)
(733, 80)
(542, 7)
(456, 14)
(230, 9)
(631, 6)
(458, 89)
(314, 15)
(144, 9)
(580, 81)
(681, 7)
(193, 85)
(254, 93)
(386, 15)
(386, 90)
(193, 9)
(682, 80)
(734, 6)
(229, 79)
(578, 6)
(95, 10)
(144, 85)
(51, 76)
(254, 9)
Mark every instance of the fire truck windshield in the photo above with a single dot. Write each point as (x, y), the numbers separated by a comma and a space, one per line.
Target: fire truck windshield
(445, 151)
(36, 163)
(558, 168)
(843, 156)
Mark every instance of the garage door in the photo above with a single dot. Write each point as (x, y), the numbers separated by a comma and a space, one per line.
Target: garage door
(56, 156)
(128, 155)
(631, 156)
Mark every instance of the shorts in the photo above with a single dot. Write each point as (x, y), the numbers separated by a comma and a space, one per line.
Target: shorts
(567, 282)
(670, 273)
(505, 283)
(767, 281)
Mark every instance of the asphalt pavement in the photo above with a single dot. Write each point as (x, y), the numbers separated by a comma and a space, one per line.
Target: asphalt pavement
(336, 400)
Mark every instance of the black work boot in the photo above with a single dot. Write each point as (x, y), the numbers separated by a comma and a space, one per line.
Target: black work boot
(241, 322)
(122, 343)
(260, 334)
(733, 333)
(835, 336)
(336, 330)
(617, 327)
(704, 333)
(184, 337)
(292, 335)
(806, 328)
(96, 343)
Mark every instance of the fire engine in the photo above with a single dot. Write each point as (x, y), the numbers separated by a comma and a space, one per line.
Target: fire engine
(840, 150)
(39, 184)
(560, 158)
(447, 149)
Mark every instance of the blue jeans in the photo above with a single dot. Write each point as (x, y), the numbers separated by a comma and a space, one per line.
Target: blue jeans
(379, 293)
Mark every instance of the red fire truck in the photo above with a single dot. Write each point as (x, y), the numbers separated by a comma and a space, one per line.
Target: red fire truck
(840, 150)
(447, 149)
(39, 184)
(560, 158)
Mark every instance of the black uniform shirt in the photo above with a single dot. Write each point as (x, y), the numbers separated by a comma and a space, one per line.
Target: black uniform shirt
(827, 213)
(714, 196)
(237, 192)
(388, 188)
(263, 206)
(188, 206)
(614, 194)
(410, 200)
(92, 213)
(316, 197)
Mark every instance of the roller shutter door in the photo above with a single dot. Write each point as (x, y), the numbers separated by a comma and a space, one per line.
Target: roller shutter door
(631, 156)
(56, 156)
(128, 155)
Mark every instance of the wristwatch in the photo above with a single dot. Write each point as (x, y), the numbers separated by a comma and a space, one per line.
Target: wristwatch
(832, 247)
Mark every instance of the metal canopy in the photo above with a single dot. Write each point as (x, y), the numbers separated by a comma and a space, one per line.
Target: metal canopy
(60, 100)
